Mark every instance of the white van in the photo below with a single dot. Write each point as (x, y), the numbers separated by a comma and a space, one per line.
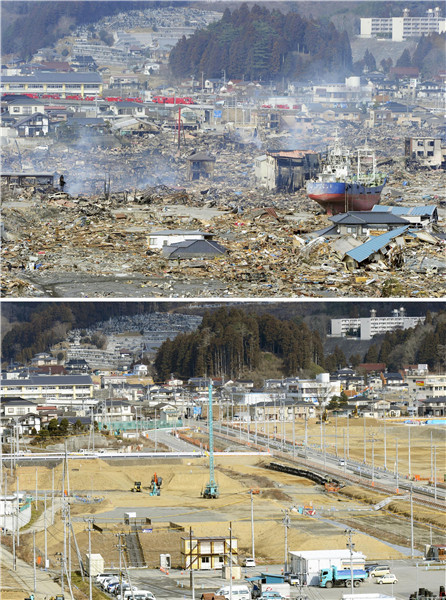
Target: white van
(250, 562)
(239, 592)
(128, 594)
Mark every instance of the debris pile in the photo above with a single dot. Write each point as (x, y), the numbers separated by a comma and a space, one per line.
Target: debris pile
(93, 242)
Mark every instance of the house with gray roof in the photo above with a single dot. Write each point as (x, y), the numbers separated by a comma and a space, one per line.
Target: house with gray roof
(365, 222)
(167, 237)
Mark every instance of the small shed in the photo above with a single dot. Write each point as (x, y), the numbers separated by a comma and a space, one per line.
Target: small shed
(199, 165)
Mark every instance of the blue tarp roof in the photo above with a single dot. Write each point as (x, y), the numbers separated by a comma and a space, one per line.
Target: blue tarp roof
(363, 252)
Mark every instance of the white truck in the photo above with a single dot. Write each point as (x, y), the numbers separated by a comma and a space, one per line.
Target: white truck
(261, 589)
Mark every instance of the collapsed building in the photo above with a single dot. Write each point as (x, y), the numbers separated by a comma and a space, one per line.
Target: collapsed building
(286, 169)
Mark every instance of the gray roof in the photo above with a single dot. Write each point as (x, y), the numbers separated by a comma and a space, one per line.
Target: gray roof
(366, 250)
(23, 100)
(28, 118)
(179, 232)
(36, 380)
(17, 402)
(367, 218)
(201, 156)
(420, 211)
(194, 247)
(76, 77)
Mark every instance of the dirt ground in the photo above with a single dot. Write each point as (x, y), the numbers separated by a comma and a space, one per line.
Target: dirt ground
(183, 482)
(353, 429)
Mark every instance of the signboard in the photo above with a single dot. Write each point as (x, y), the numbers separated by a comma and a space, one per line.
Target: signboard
(197, 410)
(217, 114)
(420, 383)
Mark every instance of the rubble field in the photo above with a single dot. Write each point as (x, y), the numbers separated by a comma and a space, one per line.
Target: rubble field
(92, 239)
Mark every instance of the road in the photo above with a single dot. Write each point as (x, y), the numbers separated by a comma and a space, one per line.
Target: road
(23, 578)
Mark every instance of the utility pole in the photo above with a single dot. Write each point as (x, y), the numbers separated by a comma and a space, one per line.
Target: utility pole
(18, 514)
(411, 520)
(306, 437)
(351, 547)
(90, 584)
(409, 465)
(396, 465)
(46, 541)
(348, 437)
(252, 526)
(34, 562)
(120, 548)
(294, 436)
(191, 574)
(35, 504)
(230, 560)
(385, 442)
(52, 496)
(286, 524)
(435, 472)
(365, 441)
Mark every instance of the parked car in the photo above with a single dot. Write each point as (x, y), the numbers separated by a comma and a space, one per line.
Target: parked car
(250, 562)
(106, 582)
(292, 579)
(379, 570)
(389, 578)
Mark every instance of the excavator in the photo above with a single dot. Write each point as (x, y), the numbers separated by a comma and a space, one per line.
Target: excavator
(155, 485)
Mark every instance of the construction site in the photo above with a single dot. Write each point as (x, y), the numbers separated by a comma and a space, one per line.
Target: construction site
(147, 506)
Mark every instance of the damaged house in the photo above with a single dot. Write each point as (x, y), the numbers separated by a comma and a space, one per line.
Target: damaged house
(387, 246)
(365, 223)
(200, 165)
(426, 151)
(286, 169)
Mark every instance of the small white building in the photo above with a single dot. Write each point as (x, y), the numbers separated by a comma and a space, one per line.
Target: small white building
(307, 565)
(159, 239)
(140, 370)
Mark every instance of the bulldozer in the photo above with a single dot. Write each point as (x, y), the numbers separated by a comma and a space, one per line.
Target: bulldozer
(136, 487)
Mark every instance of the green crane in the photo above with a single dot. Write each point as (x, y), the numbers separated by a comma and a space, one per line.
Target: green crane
(211, 489)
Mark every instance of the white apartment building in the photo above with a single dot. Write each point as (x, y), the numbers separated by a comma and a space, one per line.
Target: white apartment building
(316, 391)
(349, 91)
(68, 389)
(402, 28)
(373, 325)
(426, 386)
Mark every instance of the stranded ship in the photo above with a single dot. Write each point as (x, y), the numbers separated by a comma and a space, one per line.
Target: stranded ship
(340, 187)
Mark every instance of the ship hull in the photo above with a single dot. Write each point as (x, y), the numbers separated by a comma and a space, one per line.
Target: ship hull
(339, 197)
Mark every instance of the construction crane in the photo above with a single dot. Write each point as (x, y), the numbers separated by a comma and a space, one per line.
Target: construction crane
(211, 489)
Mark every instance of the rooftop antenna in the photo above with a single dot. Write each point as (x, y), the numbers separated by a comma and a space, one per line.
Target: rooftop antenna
(211, 489)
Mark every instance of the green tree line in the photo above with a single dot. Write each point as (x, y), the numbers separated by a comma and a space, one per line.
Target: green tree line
(256, 43)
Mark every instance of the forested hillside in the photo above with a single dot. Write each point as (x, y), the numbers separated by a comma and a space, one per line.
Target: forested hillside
(230, 343)
(258, 44)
